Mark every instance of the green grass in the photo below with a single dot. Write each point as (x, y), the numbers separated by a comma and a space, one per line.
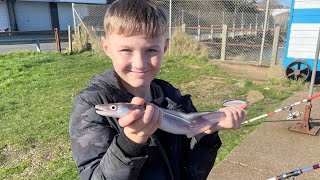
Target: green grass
(37, 91)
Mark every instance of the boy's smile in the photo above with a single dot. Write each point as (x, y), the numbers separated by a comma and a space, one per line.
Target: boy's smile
(136, 59)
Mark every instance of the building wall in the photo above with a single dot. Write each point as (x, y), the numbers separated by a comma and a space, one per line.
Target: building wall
(70, 1)
(32, 16)
(65, 15)
(4, 18)
(35, 14)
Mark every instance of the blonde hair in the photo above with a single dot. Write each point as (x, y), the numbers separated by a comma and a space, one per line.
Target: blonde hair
(136, 17)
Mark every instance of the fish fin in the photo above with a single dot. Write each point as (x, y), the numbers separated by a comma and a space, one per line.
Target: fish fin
(198, 131)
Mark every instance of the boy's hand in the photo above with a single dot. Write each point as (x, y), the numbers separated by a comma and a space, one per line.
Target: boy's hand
(139, 125)
(234, 117)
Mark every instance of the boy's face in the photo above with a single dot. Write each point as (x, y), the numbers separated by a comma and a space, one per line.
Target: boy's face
(136, 59)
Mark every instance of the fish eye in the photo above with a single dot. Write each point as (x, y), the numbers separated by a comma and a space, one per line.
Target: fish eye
(113, 107)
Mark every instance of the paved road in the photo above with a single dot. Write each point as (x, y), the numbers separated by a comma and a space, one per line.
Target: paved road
(45, 47)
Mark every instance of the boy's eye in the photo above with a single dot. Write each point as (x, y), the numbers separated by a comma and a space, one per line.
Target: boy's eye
(125, 50)
(152, 50)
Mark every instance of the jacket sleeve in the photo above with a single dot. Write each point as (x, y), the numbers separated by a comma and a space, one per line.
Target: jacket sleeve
(94, 144)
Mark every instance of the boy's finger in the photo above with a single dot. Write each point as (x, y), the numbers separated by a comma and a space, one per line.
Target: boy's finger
(242, 113)
(129, 118)
(142, 122)
(153, 126)
(243, 106)
(137, 100)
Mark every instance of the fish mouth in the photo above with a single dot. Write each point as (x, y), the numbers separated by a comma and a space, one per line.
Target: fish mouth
(100, 112)
(100, 107)
(104, 113)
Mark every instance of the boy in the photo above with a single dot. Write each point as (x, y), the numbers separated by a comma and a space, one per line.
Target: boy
(133, 147)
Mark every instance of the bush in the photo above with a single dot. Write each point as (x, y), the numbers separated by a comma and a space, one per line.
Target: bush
(182, 44)
(84, 41)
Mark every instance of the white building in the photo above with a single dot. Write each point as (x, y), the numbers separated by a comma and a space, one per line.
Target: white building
(28, 15)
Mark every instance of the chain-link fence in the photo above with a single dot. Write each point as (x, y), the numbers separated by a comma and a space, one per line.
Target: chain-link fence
(234, 30)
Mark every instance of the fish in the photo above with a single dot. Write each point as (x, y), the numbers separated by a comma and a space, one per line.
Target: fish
(175, 122)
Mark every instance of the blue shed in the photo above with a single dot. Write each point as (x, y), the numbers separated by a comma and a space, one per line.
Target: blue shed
(301, 44)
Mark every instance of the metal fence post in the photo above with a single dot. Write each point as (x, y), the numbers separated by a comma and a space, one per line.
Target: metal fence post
(38, 45)
(275, 46)
(70, 39)
(183, 27)
(223, 18)
(57, 37)
(170, 26)
(241, 27)
(199, 33)
(315, 66)
(264, 32)
(224, 42)
(74, 18)
(256, 32)
(233, 31)
(182, 17)
(211, 33)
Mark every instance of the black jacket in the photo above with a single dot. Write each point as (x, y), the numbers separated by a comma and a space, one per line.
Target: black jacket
(101, 150)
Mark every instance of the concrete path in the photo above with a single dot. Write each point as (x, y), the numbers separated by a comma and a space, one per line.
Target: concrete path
(26, 41)
(272, 149)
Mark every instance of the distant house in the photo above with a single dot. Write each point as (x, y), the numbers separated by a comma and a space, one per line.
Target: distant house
(28, 15)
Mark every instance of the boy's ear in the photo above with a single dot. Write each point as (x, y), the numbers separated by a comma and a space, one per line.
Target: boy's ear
(105, 45)
(166, 45)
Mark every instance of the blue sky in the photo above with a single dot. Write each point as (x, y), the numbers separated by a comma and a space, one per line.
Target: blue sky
(285, 2)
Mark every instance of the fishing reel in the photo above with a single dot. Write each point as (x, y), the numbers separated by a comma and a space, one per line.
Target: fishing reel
(293, 115)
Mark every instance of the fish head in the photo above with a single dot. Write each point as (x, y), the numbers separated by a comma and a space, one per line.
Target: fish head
(116, 110)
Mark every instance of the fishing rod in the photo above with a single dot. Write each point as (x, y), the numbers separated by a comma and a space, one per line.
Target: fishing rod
(295, 172)
(281, 109)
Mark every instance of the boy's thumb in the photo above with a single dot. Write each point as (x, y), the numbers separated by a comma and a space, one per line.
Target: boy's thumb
(137, 101)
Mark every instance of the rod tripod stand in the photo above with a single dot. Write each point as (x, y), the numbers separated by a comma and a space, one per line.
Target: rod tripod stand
(307, 126)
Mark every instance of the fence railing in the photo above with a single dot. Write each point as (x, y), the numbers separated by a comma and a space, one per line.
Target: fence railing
(226, 36)
(34, 37)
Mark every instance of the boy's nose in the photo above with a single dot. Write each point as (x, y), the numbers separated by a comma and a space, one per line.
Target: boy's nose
(138, 61)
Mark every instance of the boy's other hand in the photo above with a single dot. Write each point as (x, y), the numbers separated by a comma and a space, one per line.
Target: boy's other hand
(139, 125)
(235, 115)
